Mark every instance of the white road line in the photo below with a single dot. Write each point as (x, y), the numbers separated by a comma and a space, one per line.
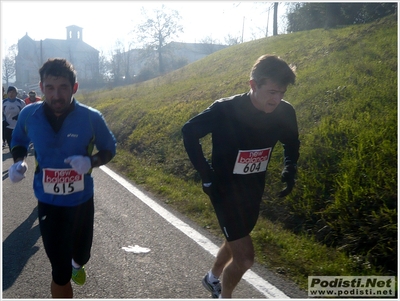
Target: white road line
(266, 288)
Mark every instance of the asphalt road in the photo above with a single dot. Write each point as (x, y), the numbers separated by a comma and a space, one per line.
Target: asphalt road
(179, 253)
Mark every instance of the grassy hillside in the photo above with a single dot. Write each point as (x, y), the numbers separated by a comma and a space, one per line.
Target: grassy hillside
(341, 218)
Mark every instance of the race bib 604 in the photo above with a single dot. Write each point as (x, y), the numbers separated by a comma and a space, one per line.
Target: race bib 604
(62, 181)
(252, 161)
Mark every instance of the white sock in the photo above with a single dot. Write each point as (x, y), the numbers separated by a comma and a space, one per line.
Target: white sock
(212, 277)
(74, 264)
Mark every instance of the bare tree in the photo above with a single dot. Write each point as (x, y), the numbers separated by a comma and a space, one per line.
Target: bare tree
(208, 44)
(9, 68)
(104, 68)
(157, 30)
(231, 40)
(117, 62)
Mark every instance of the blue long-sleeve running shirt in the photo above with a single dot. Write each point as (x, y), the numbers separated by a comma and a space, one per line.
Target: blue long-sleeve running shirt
(84, 128)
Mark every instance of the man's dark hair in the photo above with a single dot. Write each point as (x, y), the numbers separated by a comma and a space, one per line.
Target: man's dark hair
(273, 68)
(58, 67)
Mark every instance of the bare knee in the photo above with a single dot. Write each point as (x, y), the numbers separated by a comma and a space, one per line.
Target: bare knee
(244, 261)
(243, 253)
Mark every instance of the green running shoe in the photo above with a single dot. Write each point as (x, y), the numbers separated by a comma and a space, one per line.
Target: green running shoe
(79, 275)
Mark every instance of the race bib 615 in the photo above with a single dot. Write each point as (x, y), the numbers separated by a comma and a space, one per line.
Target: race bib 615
(62, 181)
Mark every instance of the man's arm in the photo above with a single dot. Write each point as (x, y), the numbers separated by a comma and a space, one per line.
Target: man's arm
(20, 141)
(105, 142)
(101, 158)
(192, 131)
(291, 147)
(19, 153)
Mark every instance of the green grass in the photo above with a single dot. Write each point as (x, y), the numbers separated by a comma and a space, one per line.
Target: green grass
(341, 219)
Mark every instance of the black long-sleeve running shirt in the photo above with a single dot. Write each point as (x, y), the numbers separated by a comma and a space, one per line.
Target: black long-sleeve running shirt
(243, 138)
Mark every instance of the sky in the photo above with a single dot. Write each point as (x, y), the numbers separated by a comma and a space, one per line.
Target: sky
(106, 22)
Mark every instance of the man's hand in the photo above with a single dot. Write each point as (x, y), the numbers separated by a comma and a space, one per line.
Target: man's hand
(287, 177)
(17, 171)
(81, 164)
(208, 183)
(207, 188)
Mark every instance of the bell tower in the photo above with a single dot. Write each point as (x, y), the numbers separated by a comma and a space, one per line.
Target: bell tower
(74, 33)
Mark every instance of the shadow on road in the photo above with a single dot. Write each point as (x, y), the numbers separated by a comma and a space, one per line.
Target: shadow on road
(18, 247)
(5, 174)
(6, 156)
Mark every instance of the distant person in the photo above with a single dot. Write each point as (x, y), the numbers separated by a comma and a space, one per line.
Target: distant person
(24, 95)
(12, 106)
(32, 98)
(3, 132)
(244, 129)
(65, 133)
(3, 127)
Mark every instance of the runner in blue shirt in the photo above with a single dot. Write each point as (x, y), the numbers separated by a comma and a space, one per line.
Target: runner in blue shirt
(64, 133)
(245, 129)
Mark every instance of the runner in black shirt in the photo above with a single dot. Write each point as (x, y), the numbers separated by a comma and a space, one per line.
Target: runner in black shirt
(245, 129)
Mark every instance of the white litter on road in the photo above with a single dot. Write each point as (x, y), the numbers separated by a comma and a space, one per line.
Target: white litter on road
(136, 249)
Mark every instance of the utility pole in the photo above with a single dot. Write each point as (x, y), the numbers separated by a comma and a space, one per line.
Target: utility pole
(41, 52)
(243, 28)
(275, 18)
(266, 32)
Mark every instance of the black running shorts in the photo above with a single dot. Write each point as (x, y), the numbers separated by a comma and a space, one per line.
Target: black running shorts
(237, 214)
(67, 233)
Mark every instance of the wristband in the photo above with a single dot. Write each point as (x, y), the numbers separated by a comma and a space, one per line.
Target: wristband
(94, 161)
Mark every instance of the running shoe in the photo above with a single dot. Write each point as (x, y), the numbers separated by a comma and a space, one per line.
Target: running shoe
(213, 287)
(79, 275)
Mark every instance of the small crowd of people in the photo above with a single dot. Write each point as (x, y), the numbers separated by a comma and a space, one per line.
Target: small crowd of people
(245, 129)
(12, 106)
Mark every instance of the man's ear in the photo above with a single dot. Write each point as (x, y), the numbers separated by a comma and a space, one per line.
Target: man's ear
(253, 84)
(41, 87)
(75, 88)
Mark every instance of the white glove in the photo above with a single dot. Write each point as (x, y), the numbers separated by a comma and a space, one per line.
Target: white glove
(80, 164)
(17, 171)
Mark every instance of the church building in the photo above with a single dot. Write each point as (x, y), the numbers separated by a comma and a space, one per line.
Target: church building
(32, 54)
